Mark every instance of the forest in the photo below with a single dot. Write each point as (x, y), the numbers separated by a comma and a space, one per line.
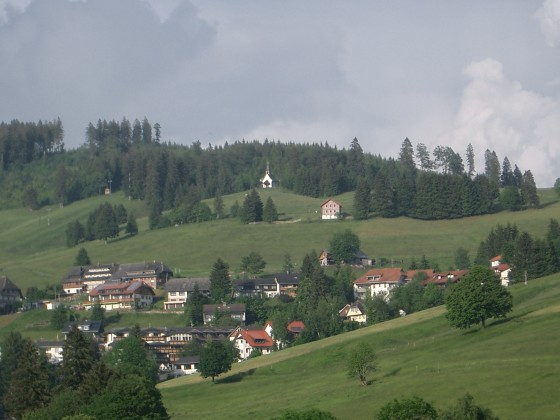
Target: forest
(36, 171)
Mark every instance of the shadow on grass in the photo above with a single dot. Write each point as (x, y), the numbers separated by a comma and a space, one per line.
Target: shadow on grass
(238, 377)
(394, 372)
(548, 204)
(120, 238)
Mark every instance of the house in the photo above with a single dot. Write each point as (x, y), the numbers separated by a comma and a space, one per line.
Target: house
(378, 282)
(53, 350)
(279, 284)
(267, 181)
(445, 278)
(247, 339)
(296, 327)
(503, 270)
(235, 310)
(10, 295)
(154, 274)
(263, 287)
(186, 365)
(330, 209)
(93, 329)
(83, 279)
(127, 295)
(178, 291)
(354, 312)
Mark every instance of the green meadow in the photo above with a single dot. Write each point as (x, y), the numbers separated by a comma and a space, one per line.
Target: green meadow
(512, 367)
(33, 250)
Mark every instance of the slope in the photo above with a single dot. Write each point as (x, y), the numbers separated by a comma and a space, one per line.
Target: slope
(512, 367)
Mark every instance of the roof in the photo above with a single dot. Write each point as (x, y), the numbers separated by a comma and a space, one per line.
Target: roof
(232, 308)
(411, 273)
(187, 360)
(256, 338)
(7, 284)
(143, 269)
(503, 267)
(381, 275)
(286, 278)
(446, 276)
(496, 258)
(128, 287)
(358, 305)
(187, 284)
(296, 326)
(330, 199)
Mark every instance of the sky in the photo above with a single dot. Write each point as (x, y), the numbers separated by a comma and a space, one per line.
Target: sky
(484, 72)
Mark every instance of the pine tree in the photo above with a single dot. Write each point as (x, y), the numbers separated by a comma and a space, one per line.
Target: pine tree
(270, 214)
(219, 205)
(78, 356)
(82, 258)
(131, 225)
(29, 383)
(470, 161)
(406, 155)
(529, 190)
(423, 156)
(220, 282)
(106, 223)
(362, 200)
(194, 307)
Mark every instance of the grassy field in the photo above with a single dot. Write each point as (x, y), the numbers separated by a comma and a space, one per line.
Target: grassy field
(512, 367)
(33, 250)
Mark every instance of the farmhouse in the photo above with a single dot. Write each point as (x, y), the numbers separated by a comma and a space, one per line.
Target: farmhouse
(10, 295)
(378, 282)
(279, 284)
(179, 289)
(126, 295)
(445, 278)
(360, 258)
(330, 209)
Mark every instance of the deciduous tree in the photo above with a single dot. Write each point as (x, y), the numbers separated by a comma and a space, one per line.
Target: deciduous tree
(478, 297)
(361, 361)
(216, 358)
(343, 246)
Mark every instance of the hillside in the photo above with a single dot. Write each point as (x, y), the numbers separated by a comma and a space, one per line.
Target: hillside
(34, 251)
(512, 367)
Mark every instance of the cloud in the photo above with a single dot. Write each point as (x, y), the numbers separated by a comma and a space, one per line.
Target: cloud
(499, 114)
(85, 60)
(549, 17)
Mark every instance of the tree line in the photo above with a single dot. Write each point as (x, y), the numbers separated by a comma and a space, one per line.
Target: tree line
(134, 158)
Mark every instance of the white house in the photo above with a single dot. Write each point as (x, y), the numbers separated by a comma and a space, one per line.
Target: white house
(179, 289)
(330, 210)
(501, 269)
(378, 281)
(354, 312)
(246, 340)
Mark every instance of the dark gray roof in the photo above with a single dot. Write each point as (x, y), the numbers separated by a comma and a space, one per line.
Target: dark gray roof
(187, 360)
(187, 284)
(285, 278)
(7, 284)
(94, 327)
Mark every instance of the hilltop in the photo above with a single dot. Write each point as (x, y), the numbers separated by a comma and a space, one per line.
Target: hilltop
(511, 367)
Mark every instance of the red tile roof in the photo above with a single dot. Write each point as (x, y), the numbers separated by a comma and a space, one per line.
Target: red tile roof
(256, 338)
(496, 258)
(296, 326)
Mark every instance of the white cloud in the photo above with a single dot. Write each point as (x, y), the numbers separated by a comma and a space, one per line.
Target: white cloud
(549, 17)
(499, 114)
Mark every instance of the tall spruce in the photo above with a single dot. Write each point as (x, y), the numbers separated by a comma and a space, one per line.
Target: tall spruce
(470, 161)
(78, 356)
(270, 214)
(362, 200)
(529, 190)
(220, 282)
